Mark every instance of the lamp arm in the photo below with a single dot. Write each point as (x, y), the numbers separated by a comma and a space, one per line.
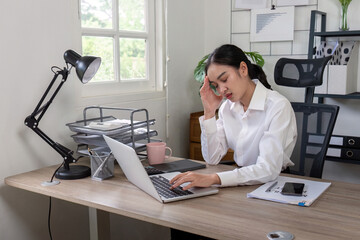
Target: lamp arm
(41, 109)
(32, 122)
(63, 151)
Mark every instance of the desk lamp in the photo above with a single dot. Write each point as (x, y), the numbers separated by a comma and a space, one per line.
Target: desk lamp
(86, 67)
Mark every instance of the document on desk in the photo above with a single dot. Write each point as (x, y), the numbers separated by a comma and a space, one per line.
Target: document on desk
(312, 190)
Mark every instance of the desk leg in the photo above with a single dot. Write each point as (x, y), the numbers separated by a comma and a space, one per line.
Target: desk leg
(99, 221)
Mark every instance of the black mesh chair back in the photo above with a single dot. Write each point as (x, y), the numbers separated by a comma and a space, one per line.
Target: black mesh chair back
(300, 72)
(306, 73)
(315, 124)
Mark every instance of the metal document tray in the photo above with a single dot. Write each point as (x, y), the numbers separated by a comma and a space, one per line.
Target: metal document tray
(82, 126)
(98, 140)
(82, 149)
(125, 129)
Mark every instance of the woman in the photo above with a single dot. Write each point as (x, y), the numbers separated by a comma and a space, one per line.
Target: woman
(257, 123)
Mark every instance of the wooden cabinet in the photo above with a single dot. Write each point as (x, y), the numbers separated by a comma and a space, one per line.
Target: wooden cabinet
(195, 144)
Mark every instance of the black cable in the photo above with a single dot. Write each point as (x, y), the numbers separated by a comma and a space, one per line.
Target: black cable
(55, 67)
(52, 177)
(49, 213)
(49, 217)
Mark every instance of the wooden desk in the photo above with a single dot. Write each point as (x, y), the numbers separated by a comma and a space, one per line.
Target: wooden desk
(227, 215)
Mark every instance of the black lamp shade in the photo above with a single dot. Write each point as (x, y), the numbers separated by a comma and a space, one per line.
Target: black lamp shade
(86, 67)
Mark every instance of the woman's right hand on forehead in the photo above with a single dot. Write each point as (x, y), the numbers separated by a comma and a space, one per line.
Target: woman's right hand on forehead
(210, 100)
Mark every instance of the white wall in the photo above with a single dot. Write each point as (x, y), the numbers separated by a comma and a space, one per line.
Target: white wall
(216, 24)
(185, 43)
(195, 28)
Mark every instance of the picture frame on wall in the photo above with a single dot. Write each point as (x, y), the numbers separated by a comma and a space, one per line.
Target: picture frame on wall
(272, 24)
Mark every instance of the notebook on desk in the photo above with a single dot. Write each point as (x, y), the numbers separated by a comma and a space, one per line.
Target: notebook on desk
(313, 190)
(157, 185)
(182, 165)
(176, 166)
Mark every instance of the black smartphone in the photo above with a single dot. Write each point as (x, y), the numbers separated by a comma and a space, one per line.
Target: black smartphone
(293, 189)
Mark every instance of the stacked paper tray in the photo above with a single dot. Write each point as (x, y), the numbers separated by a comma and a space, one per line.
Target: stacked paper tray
(84, 126)
(98, 140)
(90, 131)
(83, 150)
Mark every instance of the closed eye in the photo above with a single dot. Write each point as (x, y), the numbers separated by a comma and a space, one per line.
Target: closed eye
(213, 84)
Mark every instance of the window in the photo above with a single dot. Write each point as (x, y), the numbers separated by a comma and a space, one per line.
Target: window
(122, 33)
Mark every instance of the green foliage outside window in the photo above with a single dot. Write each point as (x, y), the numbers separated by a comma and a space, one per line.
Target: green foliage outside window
(132, 15)
(97, 14)
(132, 58)
(103, 47)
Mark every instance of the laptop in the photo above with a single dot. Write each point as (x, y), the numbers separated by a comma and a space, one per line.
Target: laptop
(157, 185)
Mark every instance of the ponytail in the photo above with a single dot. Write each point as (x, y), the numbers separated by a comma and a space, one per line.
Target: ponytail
(255, 71)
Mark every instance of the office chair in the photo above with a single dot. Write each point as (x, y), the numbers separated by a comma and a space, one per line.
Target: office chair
(306, 73)
(315, 122)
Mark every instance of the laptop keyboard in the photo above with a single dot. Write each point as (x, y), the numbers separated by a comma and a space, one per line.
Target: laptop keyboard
(162, 186)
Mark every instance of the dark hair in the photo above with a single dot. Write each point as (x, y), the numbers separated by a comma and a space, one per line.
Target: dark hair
(231, 55)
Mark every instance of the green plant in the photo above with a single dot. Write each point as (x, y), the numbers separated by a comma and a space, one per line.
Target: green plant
(199, 72)
(345, 2)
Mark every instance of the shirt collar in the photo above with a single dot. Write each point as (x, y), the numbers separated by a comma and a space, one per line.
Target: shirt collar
(257, 101)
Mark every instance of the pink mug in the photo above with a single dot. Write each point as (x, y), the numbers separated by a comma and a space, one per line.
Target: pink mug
(156, 152)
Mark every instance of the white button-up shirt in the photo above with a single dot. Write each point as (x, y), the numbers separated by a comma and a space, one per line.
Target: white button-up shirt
(262, 138)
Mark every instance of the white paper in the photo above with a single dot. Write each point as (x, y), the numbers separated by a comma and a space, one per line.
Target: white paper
(312, 190)
(250, 4)
(272, 25)
(109, 125)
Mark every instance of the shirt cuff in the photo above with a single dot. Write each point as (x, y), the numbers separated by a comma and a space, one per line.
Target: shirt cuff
(227, 179)
(208, 126)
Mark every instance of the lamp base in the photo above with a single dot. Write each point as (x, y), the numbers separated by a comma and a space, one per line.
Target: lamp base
(74, 172)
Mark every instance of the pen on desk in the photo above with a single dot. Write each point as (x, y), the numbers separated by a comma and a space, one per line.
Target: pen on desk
(90, 151)
(271, 186)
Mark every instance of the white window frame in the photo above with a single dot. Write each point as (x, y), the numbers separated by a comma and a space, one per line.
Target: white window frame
(154, 34)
